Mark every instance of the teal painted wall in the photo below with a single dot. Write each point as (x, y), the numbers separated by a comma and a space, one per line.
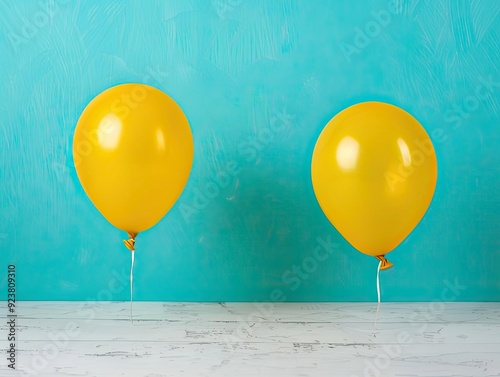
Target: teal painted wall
(258, 81)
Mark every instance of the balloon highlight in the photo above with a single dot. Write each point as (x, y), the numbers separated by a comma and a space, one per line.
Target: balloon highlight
(374, 172)
(133, 151)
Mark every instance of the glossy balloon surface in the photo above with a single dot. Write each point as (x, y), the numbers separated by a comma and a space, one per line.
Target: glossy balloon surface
(374, 172)
(133, 152)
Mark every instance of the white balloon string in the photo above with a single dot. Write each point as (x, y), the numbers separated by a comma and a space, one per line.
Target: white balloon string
(131, 286)
(378, 292)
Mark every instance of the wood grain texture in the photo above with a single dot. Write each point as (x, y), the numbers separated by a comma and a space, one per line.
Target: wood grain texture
(248, 339)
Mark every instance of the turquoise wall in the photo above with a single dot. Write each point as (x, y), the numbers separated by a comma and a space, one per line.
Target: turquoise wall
(258, 81)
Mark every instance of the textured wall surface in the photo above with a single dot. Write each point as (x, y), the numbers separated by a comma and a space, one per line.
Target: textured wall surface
(258, 80)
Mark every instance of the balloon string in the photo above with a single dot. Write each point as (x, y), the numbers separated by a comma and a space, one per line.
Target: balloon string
(132, 285)
(130, 243)
(378, 291)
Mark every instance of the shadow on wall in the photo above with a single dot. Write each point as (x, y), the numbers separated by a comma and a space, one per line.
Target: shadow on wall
(260, 237)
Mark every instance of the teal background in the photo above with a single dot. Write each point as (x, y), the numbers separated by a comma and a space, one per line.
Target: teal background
(258, 81)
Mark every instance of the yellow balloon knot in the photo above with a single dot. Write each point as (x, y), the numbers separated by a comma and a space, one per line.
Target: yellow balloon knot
(385, 263)
(130, 243)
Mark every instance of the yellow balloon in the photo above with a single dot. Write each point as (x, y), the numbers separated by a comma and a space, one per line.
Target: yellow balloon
(133, 151)
(374, 172)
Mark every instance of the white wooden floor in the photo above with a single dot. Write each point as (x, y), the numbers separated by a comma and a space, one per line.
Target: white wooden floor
(251, 339)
